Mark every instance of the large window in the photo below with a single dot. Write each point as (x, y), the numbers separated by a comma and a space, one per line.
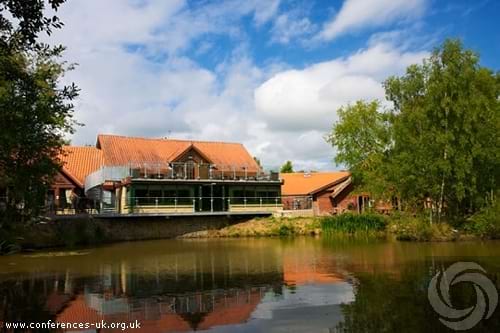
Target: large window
(161, 194)
(185, 195)
(237, 194)
(269, 195)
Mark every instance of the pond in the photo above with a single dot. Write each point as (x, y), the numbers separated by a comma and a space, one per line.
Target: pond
(247, 285)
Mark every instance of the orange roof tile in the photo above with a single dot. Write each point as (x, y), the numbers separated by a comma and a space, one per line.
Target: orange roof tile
(78, 311)
(232, 310)
(121, 150)
(79, 162)
(299, 183)
(299, 270)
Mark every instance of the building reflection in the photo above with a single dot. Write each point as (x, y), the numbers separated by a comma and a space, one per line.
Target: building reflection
(183, 291)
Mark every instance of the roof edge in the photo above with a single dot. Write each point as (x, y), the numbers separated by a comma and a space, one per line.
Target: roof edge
(336, 182)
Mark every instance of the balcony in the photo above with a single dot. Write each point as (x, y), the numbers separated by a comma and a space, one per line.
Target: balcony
(178, 171)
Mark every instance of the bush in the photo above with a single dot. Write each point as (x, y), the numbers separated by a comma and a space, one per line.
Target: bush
(8, 247)
(353, 223)
(486, 223)
(414, 228)
(286, 230)
(8, 242)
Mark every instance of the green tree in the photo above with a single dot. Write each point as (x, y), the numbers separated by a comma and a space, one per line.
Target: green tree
(31, 19)
(287, 167)
(446, 120)
(35, 108)
(361, 138)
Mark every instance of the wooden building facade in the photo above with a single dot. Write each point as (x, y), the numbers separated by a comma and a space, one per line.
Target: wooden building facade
(325, 193)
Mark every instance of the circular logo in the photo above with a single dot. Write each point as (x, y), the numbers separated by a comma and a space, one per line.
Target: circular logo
(439, 295)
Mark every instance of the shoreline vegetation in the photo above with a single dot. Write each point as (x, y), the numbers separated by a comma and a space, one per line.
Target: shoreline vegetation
(398, 226)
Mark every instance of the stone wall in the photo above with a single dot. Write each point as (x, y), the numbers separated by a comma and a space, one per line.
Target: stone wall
(85, 230)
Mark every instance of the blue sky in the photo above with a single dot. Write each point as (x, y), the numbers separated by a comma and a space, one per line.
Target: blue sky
(268, 73)
(474, 22)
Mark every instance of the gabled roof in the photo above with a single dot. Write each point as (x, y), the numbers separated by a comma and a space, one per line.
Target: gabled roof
(299, 183)
(121, 150)
(79, 162)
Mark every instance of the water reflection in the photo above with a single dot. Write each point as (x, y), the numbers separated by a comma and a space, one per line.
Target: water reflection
(262, 285)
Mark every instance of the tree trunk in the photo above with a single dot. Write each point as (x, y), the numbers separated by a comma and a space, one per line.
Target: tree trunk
(441, 194)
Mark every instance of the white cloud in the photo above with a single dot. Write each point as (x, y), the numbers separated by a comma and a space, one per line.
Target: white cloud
(308, 99)
(299, 106)
(265, 10)
(291, 25)
(358, 14)
(136, 78)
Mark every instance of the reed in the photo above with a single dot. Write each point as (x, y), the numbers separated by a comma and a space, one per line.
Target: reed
(353, 223)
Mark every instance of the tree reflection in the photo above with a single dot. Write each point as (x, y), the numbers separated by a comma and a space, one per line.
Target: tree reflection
(398, 303)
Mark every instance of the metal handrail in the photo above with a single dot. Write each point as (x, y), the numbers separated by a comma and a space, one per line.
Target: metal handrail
(197, 201)
(178, 171)
(192, 203)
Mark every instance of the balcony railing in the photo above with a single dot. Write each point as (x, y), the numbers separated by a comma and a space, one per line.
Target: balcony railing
(201, 204)
(178, 171)
(191, 204)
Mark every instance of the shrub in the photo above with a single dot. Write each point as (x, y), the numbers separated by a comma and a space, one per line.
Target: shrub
(414, 228)
(409, 228)
(485, 223)
(286, 230)
(8, 242)
(353, 223)
(8, 247)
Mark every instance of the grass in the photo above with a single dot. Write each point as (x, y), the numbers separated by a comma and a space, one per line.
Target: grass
(354, 223)
(265, 227)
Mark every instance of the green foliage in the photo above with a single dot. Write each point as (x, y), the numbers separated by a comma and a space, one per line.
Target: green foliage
(8, 247)
(438, 144)
(410, 228)
(286, 230)
(486, 222)
(362, 139)
(287, 167)
(353, 223)
(35, 108)
(407, 227)
(31, 18)
(446, 121)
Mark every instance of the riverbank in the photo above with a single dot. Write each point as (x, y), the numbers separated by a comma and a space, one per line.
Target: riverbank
(88, 231)
(264, 227)
(72, 231)
(378, 226)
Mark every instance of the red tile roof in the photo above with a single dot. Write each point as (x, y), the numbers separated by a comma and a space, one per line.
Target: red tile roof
(121, 150)
(232, 310)
(300, 183)
(78, 162)
(114, 150)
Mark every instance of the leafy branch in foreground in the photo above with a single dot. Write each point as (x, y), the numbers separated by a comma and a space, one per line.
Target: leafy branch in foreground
(36, 110)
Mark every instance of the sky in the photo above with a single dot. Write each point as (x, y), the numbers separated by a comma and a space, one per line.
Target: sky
(267, 73)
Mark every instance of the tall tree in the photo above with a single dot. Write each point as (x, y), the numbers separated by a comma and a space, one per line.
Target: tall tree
(446, 120)
(362, 140)
(35, 108)
(287, 167)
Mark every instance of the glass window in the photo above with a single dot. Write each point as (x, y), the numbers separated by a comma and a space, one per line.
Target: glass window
(184, 196)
